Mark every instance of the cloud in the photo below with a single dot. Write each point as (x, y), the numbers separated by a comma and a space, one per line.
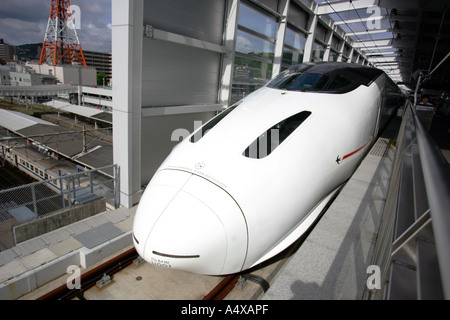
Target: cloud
(95, 37)
(95, 16)
(24, 22)
(243, 44)
(30, 10)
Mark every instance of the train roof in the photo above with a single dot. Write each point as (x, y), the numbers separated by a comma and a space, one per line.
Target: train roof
(363, 74)
(325, 77)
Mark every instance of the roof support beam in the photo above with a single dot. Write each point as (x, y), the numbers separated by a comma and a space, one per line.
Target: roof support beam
(345, 5)
(382, 54)
(386, 35)
(378, 49)
(358, 20)
(370, 31)
(377, 60)
(388, 60)
(383, 44)
(373, 43)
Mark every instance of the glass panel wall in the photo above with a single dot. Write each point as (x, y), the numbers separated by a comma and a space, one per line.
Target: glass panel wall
(318, 52)
(334, 49)
(256, 41)
(255, 46)
(333, 56)
(294, 48)
(252, 19)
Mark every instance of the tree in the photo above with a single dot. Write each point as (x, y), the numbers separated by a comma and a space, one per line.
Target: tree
(100, 77)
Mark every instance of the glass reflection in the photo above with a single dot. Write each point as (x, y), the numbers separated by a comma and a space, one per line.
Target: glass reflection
(318, 52)
(256, 21)
(295, 39)
(250, 44)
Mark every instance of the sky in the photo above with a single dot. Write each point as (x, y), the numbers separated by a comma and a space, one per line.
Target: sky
(25, 21)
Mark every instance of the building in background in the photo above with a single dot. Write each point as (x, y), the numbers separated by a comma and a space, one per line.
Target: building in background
(21, 75)
(8, 53)
(67, 74)
(101, 61)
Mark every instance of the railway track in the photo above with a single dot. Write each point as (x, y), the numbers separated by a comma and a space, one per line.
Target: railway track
(102, 275)
(92, 277)
(94, 283)
(11, 177)
(127, 276)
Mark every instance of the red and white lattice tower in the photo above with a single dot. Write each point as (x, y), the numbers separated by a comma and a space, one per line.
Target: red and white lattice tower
(61, 44)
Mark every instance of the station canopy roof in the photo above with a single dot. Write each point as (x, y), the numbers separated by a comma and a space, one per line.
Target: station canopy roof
(401, 37)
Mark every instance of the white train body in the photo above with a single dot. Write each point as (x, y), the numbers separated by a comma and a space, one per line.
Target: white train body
(218, 206)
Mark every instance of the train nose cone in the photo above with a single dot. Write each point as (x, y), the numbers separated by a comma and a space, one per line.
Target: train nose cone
(192, 225)
(158, 194)
(187, 236)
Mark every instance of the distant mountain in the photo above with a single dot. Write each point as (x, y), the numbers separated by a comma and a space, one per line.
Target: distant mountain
(29, 51)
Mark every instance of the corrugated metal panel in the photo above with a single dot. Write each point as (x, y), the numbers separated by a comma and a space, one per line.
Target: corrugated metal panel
(177, 74)
(174, 74)
(16, 121)
(199, 19)
(67, 107)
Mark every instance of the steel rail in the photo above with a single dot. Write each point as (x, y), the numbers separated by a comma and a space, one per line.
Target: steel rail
(223, 288)
(90, 278)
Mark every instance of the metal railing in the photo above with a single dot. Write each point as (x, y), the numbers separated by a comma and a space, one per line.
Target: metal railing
(413, 248)
(33, 201)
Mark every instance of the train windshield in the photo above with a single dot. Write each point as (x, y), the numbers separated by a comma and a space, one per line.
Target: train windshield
(300, 81)
(325, 78)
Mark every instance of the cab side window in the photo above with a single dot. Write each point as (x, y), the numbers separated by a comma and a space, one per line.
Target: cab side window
(270, 139)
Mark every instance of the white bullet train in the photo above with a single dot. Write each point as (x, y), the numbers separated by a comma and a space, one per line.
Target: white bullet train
(253, 179)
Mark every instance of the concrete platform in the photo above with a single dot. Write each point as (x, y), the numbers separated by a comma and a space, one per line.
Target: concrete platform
(38, 261)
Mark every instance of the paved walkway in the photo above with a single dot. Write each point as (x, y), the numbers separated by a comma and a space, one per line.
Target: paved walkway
(33, 263)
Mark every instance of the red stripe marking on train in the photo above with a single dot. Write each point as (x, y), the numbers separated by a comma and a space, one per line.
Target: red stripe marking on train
(356, 151)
